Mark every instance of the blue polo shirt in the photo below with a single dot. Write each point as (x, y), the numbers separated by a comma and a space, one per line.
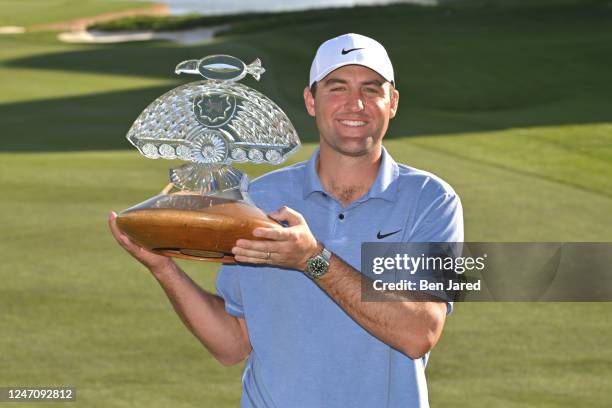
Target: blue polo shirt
(307, 352)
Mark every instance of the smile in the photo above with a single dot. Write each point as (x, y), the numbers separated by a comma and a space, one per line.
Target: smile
(353, 123)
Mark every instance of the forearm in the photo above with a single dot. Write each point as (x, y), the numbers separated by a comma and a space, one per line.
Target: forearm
(412, 327)
(224, 335)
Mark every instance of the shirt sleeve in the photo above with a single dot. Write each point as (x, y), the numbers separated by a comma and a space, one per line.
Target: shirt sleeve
(439, 219)
(228, 287)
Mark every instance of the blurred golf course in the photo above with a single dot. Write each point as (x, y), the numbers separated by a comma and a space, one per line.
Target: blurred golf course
(509, 101)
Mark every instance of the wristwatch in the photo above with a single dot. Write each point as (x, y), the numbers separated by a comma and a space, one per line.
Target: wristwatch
(317, 266)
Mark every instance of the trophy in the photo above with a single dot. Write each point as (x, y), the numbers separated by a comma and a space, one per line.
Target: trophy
(210, 124)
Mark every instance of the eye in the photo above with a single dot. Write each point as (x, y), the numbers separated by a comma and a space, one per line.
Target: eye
(372, 90)
(337, 89)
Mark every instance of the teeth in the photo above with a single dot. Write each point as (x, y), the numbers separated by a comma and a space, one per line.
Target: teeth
(354, 123)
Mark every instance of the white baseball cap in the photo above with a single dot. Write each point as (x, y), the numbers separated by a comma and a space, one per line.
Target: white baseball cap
(350, 49)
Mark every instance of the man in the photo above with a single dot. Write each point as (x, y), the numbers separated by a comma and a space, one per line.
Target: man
(292, 305)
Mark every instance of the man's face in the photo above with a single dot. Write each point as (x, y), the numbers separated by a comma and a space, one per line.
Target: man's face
(352, 108)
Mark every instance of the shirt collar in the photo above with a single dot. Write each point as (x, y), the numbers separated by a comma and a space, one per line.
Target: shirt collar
(312, 183)
(384, 186)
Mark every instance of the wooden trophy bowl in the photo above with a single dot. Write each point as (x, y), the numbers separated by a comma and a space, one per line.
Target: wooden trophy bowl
(207, 234)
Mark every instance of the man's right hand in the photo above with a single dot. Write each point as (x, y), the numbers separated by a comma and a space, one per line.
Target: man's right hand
(224, 335)
(154, 262)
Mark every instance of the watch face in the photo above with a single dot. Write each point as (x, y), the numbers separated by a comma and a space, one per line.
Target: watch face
(317, 267)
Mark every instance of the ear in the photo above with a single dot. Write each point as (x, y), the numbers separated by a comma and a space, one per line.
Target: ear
(394, 102)
(309, 101)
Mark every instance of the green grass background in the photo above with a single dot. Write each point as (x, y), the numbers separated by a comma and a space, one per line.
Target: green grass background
(31, 12)
(509, 103)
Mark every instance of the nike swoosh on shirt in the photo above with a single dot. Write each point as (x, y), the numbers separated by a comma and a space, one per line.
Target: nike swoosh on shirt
(381, 236)
(344, 52)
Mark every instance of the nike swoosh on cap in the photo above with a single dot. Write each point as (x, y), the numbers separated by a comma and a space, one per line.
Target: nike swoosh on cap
(381, 236)
(344, 52)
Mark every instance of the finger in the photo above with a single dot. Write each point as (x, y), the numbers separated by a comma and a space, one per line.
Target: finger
(121, 238)
(112, 223)
(249, 260)
(251, 253)
(254, 257)
(261, 246)
(275, 234)
(284, 213)
(287, 214)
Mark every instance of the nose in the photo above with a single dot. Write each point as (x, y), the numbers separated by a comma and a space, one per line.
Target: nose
(354, 102)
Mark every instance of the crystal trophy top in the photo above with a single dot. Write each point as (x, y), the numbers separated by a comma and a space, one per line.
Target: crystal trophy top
(213, 123)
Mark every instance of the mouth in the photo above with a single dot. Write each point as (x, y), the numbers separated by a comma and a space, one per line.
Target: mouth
(352, 123)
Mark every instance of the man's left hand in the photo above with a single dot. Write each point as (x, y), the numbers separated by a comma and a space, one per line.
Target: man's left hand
(288, 247)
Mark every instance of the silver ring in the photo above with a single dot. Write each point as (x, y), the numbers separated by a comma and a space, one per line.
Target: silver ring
(268, 255)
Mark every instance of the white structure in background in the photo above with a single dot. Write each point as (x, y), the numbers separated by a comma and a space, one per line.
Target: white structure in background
(12, 30)
(211, 7)
(193, 36)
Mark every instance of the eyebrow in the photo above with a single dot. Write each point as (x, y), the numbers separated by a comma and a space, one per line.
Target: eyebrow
(373, 82)
(332, 81)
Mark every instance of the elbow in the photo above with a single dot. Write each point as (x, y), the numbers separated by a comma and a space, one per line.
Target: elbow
(229, 356)
(229, 360)
(416, 349)
(420, 341)
(234, 355)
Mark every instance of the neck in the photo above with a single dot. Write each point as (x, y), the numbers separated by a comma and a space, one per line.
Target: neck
(345, 177)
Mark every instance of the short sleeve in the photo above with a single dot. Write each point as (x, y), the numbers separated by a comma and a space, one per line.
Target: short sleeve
(440, 219)
(228, 287)
(449, 307)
